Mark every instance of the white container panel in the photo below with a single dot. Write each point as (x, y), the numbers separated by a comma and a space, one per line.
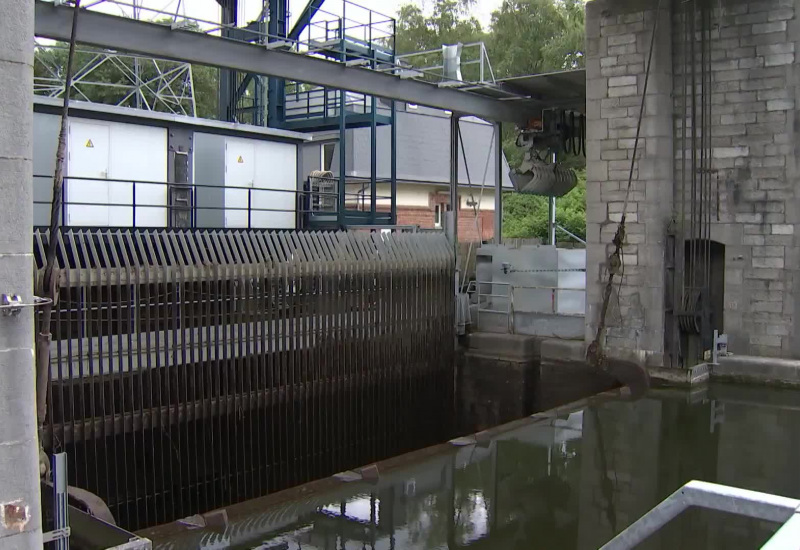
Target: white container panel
(87, 157)
(119, 154)
(138, 153)
(276, 169)
(260, 180)
(240, 170)
(572, 302)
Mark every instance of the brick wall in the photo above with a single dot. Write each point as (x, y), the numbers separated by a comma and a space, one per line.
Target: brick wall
(467, 230)
(754, 92)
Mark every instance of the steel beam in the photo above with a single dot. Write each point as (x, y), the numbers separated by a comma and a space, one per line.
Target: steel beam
(151, 39)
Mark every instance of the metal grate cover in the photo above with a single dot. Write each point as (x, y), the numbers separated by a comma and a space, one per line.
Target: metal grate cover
(192, 370)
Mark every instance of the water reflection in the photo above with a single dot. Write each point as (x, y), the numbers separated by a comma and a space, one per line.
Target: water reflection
(568, 482)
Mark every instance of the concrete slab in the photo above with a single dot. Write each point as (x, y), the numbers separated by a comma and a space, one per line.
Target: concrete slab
(697, 375)
(758, 370)
(504, 346)
(554, 349)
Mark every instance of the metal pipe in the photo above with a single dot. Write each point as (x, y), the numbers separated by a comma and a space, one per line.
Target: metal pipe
(373, 140)
(498, 183)
(342, 155)
(393, 175)
(551, 214)
(454, 201)
(571, 234)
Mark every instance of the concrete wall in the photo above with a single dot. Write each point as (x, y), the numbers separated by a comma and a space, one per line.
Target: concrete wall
(754, 90)
(20, 510)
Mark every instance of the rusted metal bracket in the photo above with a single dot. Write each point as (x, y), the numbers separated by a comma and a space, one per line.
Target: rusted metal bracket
(12, 304)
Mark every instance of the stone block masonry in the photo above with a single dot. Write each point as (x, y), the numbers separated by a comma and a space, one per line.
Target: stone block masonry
(615, 80)
(756, 208)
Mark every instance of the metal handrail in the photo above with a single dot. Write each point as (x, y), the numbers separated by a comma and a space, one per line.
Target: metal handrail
(137, 206)
(722, 498)
(475, 287)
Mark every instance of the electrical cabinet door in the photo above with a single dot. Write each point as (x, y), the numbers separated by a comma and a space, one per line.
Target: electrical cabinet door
(87, 188)
(240, 169)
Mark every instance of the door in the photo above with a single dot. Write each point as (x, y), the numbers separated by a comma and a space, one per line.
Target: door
(273, 198)
(87, 199)
(240, 169)
(138, 174)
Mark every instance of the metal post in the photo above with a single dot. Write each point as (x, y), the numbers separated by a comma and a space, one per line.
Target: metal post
(498, 183)
(137, 73)
(19, 444)
(133, 202)
(342, 156)
(551, 216)
(373, 181)
(454, 202)
(393, 154)
(60, 505)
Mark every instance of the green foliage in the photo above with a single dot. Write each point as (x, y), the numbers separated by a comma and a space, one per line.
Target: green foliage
(50, 63)
(536, 36)
(526, 216)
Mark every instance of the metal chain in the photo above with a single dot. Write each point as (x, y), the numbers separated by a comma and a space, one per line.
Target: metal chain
(571, 270)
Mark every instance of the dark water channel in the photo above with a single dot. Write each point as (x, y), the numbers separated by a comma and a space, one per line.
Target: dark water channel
(565, 482)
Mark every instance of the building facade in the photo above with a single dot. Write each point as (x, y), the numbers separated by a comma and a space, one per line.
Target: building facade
(423, 170)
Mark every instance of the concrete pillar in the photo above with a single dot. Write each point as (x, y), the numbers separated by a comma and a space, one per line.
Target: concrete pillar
(617, 43)
(20, 511)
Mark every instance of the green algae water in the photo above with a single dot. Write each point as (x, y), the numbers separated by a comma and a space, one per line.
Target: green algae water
(569, 481)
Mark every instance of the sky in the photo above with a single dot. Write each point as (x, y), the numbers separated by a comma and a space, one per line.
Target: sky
(209, 9)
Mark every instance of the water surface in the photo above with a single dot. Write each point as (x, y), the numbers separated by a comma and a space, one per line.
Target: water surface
(565, 482)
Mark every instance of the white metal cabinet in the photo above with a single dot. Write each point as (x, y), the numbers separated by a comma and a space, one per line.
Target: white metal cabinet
(240, 174)
(260, 180)
(88, 158)
(116, 155)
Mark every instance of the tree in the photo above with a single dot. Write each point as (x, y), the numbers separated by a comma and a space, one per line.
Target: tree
(526, 37)
(449, 23)
(537, 36)
(526, 216)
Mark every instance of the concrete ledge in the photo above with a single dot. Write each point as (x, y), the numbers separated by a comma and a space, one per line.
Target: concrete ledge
(504, 346)
(553, 349)
(758, 370)
(696, 375)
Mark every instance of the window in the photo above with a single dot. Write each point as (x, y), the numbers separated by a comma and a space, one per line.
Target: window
(437, 216)
(327, 155)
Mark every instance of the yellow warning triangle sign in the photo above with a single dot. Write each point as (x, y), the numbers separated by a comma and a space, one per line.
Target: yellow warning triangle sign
(240, 160)
(89, 144)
